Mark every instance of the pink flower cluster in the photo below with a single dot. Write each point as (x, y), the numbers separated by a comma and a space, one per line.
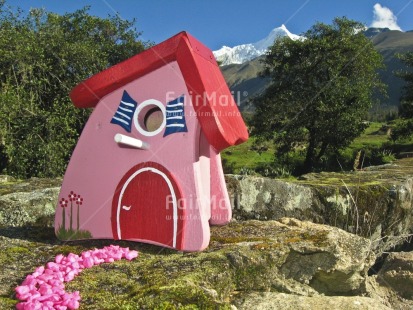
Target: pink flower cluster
(44, 289)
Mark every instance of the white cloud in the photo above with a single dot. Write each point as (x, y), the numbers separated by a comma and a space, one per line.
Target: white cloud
(384, 18)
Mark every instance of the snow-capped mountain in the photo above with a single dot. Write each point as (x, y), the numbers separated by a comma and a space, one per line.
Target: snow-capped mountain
(244, 82)
(244, 52)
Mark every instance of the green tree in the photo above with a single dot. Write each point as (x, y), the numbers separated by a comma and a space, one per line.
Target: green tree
(43, 56)
(321, 90)
(404, 126)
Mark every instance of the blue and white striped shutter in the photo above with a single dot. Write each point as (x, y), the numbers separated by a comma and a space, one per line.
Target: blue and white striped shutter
(175, 117)
(124, 114)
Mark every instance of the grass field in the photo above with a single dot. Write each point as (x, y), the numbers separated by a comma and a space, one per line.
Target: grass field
(372, 136)
(241, 158)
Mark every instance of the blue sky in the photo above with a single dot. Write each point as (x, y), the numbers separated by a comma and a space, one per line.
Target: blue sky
(231, 22)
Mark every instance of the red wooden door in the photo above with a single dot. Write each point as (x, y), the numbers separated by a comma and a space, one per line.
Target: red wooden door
(146, 206)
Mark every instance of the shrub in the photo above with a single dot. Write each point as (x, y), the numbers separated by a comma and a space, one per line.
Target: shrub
(43, 56)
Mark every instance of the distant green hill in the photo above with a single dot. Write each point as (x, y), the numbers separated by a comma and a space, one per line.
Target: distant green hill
(243, 78)
(244, 81)
(390, 43)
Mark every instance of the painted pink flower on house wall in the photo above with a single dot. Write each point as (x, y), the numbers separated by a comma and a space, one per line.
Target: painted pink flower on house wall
(64, 203)
(71, 233)
(79, 201)
(72, 197)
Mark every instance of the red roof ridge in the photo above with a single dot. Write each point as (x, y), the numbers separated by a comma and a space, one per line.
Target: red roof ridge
(214, 105)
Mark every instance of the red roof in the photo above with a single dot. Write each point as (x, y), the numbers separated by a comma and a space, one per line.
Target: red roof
(214, 105)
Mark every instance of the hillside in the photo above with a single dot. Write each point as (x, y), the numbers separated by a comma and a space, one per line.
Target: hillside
(389, 44)
(243, 78)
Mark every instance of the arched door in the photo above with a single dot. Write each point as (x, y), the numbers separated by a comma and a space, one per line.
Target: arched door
(146, 207)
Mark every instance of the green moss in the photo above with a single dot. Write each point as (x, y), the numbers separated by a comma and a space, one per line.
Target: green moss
(7, 303)
(67, 248)
(173, 281)
(256, 269)
(8, 187)
(28, 186)
(104, 287)
(342, 181)
(16, 250)
(166, 279)
(318, 238)
(179, 296)
(13, 254)
(251, 277)
(265, 246)
(237, 239)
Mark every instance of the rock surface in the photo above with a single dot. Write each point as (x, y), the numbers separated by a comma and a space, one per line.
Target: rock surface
(32, 202)
(286, 256)
(376, 203)
(280, 262)
(397, 272)
(273, 301)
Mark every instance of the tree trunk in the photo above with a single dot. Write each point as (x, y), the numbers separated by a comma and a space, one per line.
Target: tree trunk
(322, 151)
(310, 156)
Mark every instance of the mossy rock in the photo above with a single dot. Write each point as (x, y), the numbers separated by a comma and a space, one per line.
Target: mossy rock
(242, 257)
(375, 203)
(29, 202)
(12, 185)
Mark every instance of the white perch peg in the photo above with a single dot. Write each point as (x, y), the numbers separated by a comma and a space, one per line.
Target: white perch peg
(129, 141)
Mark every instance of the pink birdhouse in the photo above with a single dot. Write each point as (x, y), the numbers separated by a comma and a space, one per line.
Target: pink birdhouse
(147, 166)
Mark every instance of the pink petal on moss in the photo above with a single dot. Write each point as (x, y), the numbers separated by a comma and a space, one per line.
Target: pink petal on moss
(131, 255)
(30, 280)
(52, 266)
(88, 262)
(39, 271)
(49, 305)
(23, 297)
(59, 258)
(45, 289)
(70, 276)
(97, 261)
(72, 257)
(118, 256)
(76, 295)
(23, 289)
(44, 278)
(32, 305)
(58, 291)
(34, 294)
(73, 304)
